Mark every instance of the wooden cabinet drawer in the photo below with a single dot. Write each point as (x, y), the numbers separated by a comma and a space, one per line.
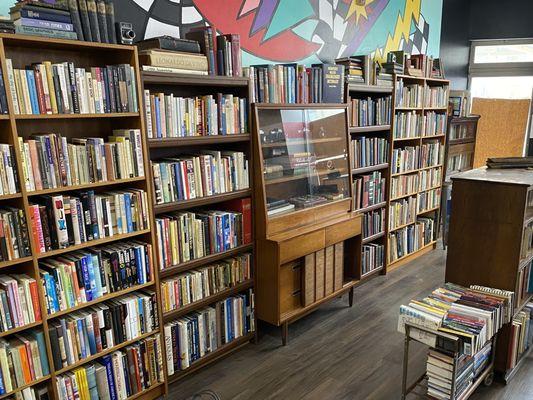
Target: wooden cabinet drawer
(290, 278)
(301, 246)
(342, 231)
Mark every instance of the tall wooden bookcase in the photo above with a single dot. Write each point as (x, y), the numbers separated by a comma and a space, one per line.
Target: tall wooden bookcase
(23, 51)
(190, 86)
(416, 141)
(357, 91)
(490, 241)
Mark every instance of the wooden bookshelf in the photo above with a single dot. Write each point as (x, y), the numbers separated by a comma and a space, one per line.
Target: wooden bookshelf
(489, 245)
(416, 141)
(376, 131)
(23, 51)
(186, 85)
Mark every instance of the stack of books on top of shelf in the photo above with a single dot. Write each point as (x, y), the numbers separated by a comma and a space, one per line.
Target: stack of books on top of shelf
(61, 88)
(89, 20)
(356, 68)
(6, 25)
(381, 76)
(473, 315)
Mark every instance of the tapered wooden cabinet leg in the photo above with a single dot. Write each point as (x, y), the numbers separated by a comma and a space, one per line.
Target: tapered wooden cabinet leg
(350, 297)
(285, 333)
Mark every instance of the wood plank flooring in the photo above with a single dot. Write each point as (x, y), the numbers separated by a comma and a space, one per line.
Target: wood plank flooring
(339, 352)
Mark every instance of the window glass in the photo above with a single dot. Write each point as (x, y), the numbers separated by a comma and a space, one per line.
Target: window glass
(503, 53)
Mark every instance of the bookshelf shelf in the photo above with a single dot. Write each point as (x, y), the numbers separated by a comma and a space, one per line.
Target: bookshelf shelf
(511, 373)
(152, 78)
(302, 176)
(105, 352)
(366, 129)
(403, 196)
(159, 386)
(435, 108)
(373, 237)
(412, 254)
(429, 189)
(105, 297)
(176, 269)
(201, 201)
(75, 116)
(21, 388)
(396, 228)
(373, 272)
(430, 167)
(198, 140)
(372, 207)
(433, 137)
(409, 108)
(4, 117)
(352, 87)
(364, 170)
(64, 189)
(405, 139)
(412, 171)
(92, 243)
(20, 329)
(9, 263)
(211, 357)
(522, 305)
(240, 287)
(10, 196)
(428, 210)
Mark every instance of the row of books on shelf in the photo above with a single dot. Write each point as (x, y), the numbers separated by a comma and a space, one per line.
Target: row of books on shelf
(19, 301)
(521, 335)
(23, 359)
(169, 116)
(89, 20)
(413, 125)
(119, 375)
(198, 334)
(525, 284)
(14, 239)
(294, 83)
(99, 328)
(200, 283)
(405, 185)
(411, 158)
(196, 176)
(186, 236)
(58, 222)
(84, 276)
(9, 179)
(474, 315)
(418, 96)
(373, 223)
(428, 200)
(38, 392)
(436, 96)
(372, 257)
(49, 161)
(369, 151)
(370, 111)
(402, 212)
(369, 190)
(61, 88)
(409, 239)
(430, 178)
(526, 248)
(459, 162)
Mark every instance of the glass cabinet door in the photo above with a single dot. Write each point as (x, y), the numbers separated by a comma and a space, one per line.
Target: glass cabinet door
(305, 157)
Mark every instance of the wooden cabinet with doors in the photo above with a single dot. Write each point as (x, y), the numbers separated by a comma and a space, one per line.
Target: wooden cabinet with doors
(308, 240)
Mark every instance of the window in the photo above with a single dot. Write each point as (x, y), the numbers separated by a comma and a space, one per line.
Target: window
(506, 87)
(503, 53)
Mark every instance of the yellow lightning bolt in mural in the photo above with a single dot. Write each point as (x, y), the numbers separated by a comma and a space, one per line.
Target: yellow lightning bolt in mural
(358, 7)
(403, 25)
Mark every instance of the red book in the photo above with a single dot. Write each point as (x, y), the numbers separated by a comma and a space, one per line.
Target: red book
(236, 59)
(40, 89)
(35, 301)
(243, 206)
(36, 228)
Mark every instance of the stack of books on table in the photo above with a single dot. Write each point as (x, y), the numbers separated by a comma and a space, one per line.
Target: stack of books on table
(89, 20)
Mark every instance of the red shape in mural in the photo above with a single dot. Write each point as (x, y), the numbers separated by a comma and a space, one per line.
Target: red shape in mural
(284, 47)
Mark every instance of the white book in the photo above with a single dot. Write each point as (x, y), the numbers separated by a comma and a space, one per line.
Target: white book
(168, 348)
(148, 114)
(46, 88)
(90, 92)
(12, 88)
(183, 339)
(67, 107)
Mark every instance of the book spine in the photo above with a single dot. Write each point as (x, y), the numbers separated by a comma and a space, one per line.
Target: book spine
(31, 30)
(110, 19)
(93, 20)
(102, 21)
(84, 17)
(39, 23)
(75, 18)
(48, 15)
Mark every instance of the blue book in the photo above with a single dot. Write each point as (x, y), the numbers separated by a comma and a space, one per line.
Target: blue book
(139, 259)
(179, 177)
(86, 279)
(223, 108)
(127, 206)
(108, 364)
(79, 324)
(90, 370)
(53, 293)
(157, 117)
(30, 77)
(91, 338)
(227, 231)
(165, 192)
(56, 15)
(2, 387)
(97, 277)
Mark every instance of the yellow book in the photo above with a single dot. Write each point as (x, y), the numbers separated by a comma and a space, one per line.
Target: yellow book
(429, 308)
(20, 93)
(50, 80)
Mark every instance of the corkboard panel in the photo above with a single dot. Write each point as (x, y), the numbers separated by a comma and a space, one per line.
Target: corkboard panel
(501, 129)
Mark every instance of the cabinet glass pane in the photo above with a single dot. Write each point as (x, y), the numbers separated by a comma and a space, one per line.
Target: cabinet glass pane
(305, 157)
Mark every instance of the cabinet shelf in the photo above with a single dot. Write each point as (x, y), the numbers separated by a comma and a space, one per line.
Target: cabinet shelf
(201, 201)
(75, 116)
(64, 189)
(197, 140)
(372, 168)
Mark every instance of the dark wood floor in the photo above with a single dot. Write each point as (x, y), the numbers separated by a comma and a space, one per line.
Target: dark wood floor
(338, 352)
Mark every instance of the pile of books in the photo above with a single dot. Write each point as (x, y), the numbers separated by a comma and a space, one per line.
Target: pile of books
(19, 301)
(510, 162)
(58, 221)
(14, 237)
(369, 151)
(186, 236)
(206, 281)
(296, 84)
(27, 357)
(169, 116)
(357, 69)
(85, 160)
(373, 223)
(441, 379)
(192, 177)
(369, 190)
(96, 329)
(370, 111)
(61, 88)
(395, 63)
(84, 276)
(194, 336)
(372, 257)
(6, 24)
(278, 206)
(9, 180)
(119, 375)
(382, 77)
(89, 20)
